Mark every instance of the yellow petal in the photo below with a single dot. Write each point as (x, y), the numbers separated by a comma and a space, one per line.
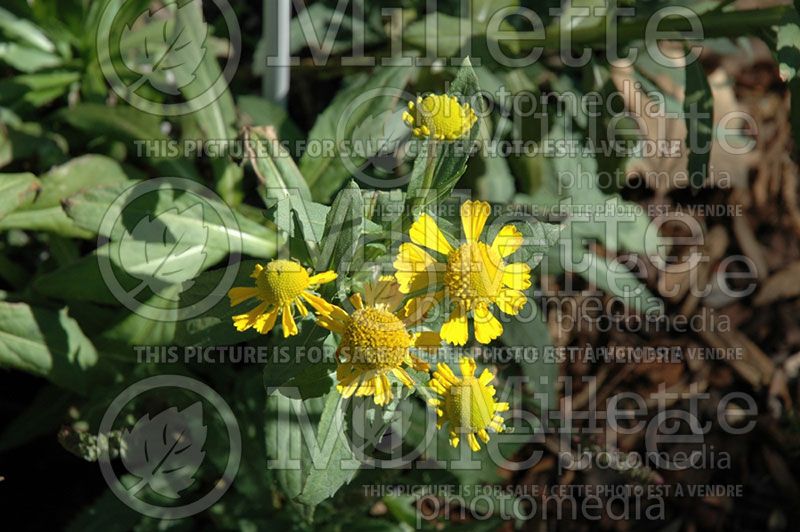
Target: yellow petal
(473, 217)
(510, 301)
(267, 321)
(486, 377)
(322, 278)
(507, 241)
(241, 294)
(444, 374)
(356, 301)
(454, 439)
(483, 435)
(487, 327)
(517, 276)
(426, 233)
(301, 307)
(287, 320)
(473, 442)
(416, 269)
(416, 308)
(501, 407)
(348, 388)
(455, 330)
(403, 377)
(257, 269)
(467, 366)
(317, 303)
(242, 322)
(412, 258)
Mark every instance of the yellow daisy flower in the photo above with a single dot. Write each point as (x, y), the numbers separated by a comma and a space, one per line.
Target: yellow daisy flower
(376, 341)
(439, 116)
(474, 277)
(466, 404)
(279, 286)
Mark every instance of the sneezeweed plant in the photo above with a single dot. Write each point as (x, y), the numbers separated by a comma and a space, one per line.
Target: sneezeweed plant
(280, 287)
(471, 276)
(383, 342)
(440, 117)
(467, 404)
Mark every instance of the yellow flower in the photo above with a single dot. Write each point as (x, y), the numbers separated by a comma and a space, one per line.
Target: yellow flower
(439, 116)
(466, 404)
(279, 286)
(474, 277)
(376, 342)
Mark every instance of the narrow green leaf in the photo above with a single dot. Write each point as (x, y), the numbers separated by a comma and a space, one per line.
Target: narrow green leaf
(217, 119)
(698, 108)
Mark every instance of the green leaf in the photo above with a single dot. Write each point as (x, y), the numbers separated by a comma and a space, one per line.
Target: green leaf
(698, 106)
(46, 343)
(541, 372)
(205, 223)
(274, 166)
(446, 38)
(613, 278)
(344, 122)
(130, 126)
(23, 92)
(216, 119)
(288, 369)
(27, 59)
(24, 31)
(16, 190)
(307, 447)
(46, 212)
(344, 226)
(215, 326)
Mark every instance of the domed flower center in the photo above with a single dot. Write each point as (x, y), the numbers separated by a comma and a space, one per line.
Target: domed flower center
(444, 115)
(468, 406)
(281, 281)
(474, 274)
(375, 339)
